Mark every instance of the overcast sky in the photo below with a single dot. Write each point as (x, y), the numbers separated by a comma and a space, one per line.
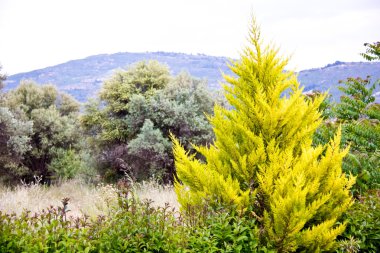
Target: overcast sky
(41, 33)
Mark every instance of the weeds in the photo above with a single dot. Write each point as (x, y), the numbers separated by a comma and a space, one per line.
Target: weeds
(132, 225)
(84, 198)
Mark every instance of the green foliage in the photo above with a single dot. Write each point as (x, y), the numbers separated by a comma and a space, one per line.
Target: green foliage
(141, 229)
(53, 122)
(66, 104)
(262, 159)
(29, 96)
(87, 171)
(138, 109)
(359, 118)
(364, 222)
(356, 99)
(226, 231)
(141, 78)
(372, 51)
(65, 164)
(181, 109)
(366, 167)
(149, 143)
(14, 144)
(3, 77)
(133, 226)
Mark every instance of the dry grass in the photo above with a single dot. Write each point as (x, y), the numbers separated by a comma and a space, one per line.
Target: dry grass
(159, 194)
(84, 198)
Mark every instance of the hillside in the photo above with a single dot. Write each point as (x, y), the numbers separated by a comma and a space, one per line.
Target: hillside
(83, 78)
(327, 78)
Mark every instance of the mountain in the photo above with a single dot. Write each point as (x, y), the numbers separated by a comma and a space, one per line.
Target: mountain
(328, 77)
(83, 78)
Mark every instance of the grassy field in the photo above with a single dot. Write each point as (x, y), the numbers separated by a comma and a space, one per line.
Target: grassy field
(84, 198)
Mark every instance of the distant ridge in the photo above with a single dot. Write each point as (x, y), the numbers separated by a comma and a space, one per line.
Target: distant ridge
(83, 78)
(328, 77)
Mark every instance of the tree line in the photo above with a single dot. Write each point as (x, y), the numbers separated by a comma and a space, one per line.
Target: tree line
(124, 131)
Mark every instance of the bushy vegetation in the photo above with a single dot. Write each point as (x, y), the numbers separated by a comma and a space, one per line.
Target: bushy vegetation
(372, 51)
(358, 117)
(363, 221)
(14, 143)
(129, 125)
(132, 226)
(268, 170)
(3, 77)
(38, 124)
(259, 158)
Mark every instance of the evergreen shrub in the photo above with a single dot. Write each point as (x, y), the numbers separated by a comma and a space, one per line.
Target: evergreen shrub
(263, 163)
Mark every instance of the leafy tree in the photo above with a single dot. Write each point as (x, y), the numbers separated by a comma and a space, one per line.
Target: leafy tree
(141, 78)
(3, 77)
(359, 117)
(262, 162)
(29, 96)
(14, 144)
(14, 140)
(149, 151)
(55, 125)
(109, 123)
(181, 109)
(178, 109)
(372, 51)
(130, 124)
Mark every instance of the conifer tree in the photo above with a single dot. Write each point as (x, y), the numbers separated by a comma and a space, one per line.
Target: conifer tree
(262, 160)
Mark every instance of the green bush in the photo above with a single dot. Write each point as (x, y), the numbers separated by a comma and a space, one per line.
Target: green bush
(38, 121)
(364, 222)
(135, 226)
(48, 231)
(65, 164)
(14, 144)
(69, 163)
(358, 116)
(226, 232)
(129, 124)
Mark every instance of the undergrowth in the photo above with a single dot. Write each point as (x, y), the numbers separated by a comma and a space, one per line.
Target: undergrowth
(132, 223)
(85, 198)
(131, 226)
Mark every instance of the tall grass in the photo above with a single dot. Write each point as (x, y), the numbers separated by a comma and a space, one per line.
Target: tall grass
(84, 198)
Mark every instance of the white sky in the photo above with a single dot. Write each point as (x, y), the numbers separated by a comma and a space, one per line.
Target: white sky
(41, 33)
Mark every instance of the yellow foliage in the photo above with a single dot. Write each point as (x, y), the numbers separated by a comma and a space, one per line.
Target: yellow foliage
(263, 159)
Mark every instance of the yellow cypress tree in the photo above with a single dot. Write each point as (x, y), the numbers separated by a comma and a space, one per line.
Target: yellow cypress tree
(263, 161)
